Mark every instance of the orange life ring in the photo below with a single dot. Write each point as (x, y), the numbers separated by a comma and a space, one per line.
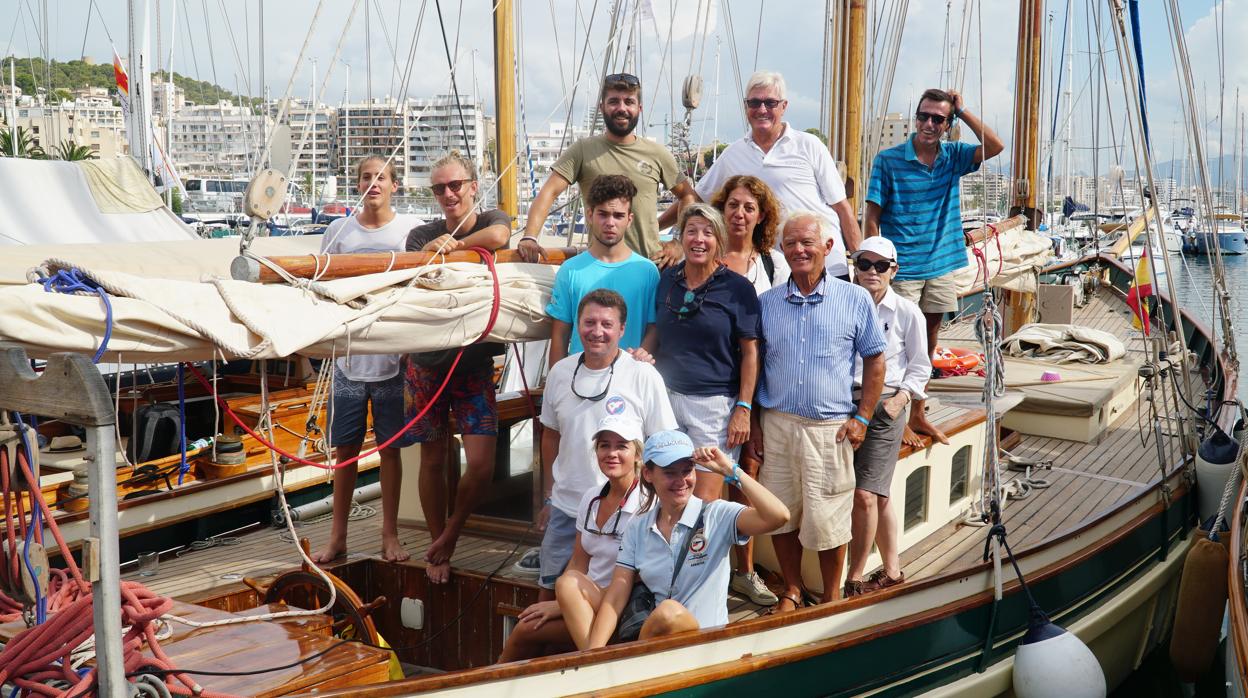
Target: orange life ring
(955, 358)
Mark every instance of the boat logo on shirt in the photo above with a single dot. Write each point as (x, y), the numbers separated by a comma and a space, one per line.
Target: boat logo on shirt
(615, 405)
(698, 544)
(645, 168)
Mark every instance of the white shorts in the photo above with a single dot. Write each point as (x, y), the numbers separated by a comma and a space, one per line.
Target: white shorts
(704, 418)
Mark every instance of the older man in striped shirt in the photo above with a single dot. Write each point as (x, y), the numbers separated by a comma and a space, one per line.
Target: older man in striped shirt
(808, 425)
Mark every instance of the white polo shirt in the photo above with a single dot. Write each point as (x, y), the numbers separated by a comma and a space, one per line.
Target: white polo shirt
(603, 544)
(702, 582)
(801, 173)
(907, 363)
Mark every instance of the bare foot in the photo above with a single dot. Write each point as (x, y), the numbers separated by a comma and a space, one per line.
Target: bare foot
(909, 438)
(920, 425)
(442, 549)
(335, 550)
(438, 573)
(392, 550)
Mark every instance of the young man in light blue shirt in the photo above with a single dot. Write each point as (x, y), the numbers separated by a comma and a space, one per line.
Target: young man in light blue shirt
(609, 264)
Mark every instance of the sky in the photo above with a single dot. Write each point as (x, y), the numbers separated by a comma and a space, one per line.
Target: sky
(219, 41)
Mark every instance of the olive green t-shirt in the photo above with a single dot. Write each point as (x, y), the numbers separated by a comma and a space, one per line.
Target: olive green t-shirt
(645, 162)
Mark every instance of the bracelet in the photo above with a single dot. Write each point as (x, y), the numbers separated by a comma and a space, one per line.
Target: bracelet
(527, 237)
(746, 405)
(735, 477)
(957, 113)
(546, 501)
(865, 422)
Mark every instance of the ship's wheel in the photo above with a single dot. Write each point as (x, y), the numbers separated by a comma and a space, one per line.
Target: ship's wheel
(305, 588)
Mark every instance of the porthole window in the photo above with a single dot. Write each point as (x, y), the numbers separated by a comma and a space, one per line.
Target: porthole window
(960, 474)
(916, 498)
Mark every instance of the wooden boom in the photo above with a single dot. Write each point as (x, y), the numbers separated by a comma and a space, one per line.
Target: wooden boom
(339, 266)
(983, 233)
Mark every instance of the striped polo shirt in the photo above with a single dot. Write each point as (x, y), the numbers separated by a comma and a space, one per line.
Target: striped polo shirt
(922, 212)
(809, 345)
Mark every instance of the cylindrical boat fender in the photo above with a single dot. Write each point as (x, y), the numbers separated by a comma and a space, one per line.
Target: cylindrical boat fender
(1201, 606)
(1215, 459)
(1052, 663)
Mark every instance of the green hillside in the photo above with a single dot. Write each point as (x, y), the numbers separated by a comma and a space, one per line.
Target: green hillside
(72, 75)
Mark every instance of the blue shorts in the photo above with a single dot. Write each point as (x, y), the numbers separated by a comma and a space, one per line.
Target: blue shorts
(557, 546)
(348, 411)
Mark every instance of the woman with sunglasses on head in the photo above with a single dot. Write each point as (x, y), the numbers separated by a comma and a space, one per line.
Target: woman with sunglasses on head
(706, 343)
(548, 626)
(907, 367)
(470, 391)
(677, 545)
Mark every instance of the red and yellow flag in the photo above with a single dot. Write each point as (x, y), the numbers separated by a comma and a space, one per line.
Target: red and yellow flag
(1141, 288)
(123, 80)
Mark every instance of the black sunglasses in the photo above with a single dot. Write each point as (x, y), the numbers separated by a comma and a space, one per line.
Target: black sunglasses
(880, 267)
(593, 398)
(621, 79)
(454, 185)
(590, 522)
(691, 301)
(937, 119)
(755, 103)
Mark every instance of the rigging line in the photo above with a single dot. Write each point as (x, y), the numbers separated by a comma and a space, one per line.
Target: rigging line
(663, 62)
(86, 30)
(450, 62)
(290, 86)
(758, 35)
(554, 28)
(398, 24)
(693, 42)
(736, 58)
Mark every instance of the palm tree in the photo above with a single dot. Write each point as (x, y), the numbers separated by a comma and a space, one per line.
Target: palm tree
(69, 150)
(24, 146)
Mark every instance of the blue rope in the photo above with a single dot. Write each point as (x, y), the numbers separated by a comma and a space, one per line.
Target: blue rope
(72, 281)
(1134, 7)
(41, 604)
(185, 466)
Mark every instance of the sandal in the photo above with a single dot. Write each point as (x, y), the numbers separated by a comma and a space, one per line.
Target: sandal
(786, 596)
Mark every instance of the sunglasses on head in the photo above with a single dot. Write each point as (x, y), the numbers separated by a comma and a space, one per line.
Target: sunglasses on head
(454, 185)
(936, 119)
(755, 103)
(626, 79)
(880, 267)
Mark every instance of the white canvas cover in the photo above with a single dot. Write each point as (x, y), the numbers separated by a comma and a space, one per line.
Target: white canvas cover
(56, 202)
(1015, 257)
(443, 306)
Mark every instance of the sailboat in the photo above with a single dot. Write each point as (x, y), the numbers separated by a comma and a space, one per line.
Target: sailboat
(1088, 512)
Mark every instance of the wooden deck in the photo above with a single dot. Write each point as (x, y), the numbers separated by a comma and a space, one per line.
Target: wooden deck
(1086, 479)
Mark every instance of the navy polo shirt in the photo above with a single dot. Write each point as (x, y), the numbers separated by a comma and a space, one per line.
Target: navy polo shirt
(700, 354)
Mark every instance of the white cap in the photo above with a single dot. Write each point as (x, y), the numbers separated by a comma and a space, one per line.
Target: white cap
(877, 244)
(627, 427)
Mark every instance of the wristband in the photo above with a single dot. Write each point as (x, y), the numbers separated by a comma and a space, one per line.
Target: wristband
(865, 422)
(746, 405)
(527, 237)
(546, 501)
(957, 113)
(735, 477)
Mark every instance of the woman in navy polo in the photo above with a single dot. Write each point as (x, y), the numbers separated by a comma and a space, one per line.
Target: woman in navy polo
(679, 547)
(706, 344)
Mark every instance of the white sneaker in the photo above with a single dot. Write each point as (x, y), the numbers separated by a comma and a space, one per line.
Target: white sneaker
(529, 565)
(751, 585)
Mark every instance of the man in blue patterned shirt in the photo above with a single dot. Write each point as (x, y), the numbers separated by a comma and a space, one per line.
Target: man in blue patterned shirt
(913, 199)
(813, 327)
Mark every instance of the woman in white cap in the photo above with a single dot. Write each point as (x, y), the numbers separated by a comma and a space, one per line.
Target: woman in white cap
(679, 548)
(907, 367)
(605, 512)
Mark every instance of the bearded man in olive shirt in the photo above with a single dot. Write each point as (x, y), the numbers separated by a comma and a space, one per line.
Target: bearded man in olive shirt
(619, 151)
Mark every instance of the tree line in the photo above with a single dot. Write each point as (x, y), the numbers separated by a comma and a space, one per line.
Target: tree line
(31, 75)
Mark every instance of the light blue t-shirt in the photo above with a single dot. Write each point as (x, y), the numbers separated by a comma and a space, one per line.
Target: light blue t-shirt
(702, 583)
(921, 209)
(636, 279)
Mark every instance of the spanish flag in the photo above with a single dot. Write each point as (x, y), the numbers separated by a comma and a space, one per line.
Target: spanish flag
(1141, 288)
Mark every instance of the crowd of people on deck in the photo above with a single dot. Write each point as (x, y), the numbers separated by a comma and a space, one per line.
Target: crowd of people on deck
(755, 375)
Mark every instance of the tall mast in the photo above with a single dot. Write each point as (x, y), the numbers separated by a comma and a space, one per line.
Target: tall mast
(315, 112)
(847, 127)
(1067, 93)
(1025, 162)
(505, 104)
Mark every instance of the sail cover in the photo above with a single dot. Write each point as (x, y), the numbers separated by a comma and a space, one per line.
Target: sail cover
(55, 202)
(413, 310)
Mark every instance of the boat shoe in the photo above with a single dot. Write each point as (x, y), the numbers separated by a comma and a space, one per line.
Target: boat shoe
(529, 565)
(879, 579)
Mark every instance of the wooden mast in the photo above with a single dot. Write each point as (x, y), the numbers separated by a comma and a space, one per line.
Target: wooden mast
(1025, 163)
(1026, 147)
(505, 105)
(853, 82)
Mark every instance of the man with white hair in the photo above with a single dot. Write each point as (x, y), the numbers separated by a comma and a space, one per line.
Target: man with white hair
(813, 328)
(795, 164)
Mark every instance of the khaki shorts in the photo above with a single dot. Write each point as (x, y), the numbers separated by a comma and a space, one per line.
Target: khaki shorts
(813, 474)
(938, 295)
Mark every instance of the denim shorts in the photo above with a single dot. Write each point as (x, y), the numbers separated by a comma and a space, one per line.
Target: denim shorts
(349, 407)
(557, 547)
